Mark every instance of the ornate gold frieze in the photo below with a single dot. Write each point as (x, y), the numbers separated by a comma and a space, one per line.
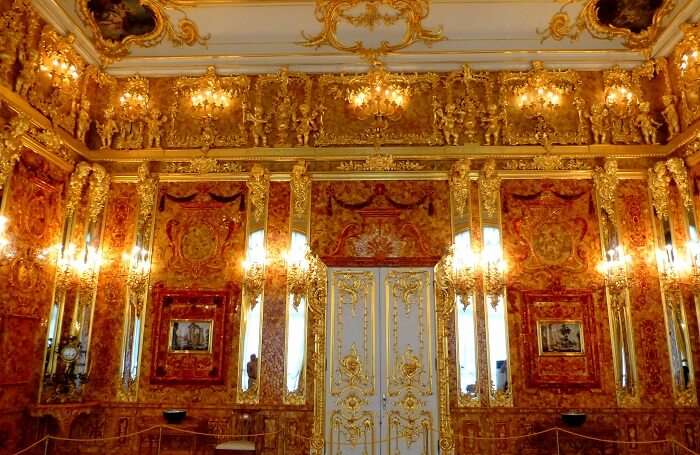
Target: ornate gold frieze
(638, 26)
(113, 40)
(547, 163)
(202, 165)
(332, 13)
(380, 162)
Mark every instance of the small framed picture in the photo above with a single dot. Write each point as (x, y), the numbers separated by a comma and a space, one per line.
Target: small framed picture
(190, 336)
(560, 337)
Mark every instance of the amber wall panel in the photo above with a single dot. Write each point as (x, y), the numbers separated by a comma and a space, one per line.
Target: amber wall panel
(380, 223)
(199, 241)
(34, 206)
(552, 242)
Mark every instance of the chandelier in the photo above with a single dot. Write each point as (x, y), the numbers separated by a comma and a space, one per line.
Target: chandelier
(614, 270)
(382, 96)
(59, 69)
(134, 99)
(209, 98)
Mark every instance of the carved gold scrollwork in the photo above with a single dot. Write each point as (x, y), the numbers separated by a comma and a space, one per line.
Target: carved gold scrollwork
(317, 319)
(561, 26)
(76, 184)
(489, 188)
(185, 33)
(605, 181)
(679, 173)
(460, 185)
(331, 13)
(444, 306)
(301, 188)
(659, 181)
(10, 146)
(258, 187)
(97, 192)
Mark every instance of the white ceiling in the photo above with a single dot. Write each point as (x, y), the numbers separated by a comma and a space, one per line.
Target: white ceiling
(262, 36)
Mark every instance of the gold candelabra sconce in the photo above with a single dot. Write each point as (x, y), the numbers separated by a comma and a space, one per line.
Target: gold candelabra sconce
(537, 100)
(6, 250)
(254, 273)
(74, 267)
(59, 70)
(209, 98)
(619, 95)
(134, 100)
(614, 270)
(693, 249)
(379, 95)
(299, 276)
(138, 269)
(689, 62)
(462, 267)
(672, 269)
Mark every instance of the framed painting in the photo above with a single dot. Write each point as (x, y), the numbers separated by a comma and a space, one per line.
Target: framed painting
(560, 338)
(189, 335)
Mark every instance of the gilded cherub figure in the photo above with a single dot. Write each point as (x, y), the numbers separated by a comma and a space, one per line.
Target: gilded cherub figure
(305, 123)
(671, 115)
(599, 123)
(26, 78)
(107, 128)
(83, 120)
(448, 121)
(492, 125)
(646, 123)
(259, 126)
(154, 121)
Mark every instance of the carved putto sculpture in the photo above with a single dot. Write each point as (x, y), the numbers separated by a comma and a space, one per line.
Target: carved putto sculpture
(646, 123)
(107, 128)
(448, 122)
(492, 125)
(305, 123)
(258, 122)
(26, 78)
(83, 120)
(671, 115)
(153, 133)
(599, 123)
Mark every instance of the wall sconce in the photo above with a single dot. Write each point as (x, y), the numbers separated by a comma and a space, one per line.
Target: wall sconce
(539, 99)
(298, 273)
(619, 95)
(209, 98)
(138, 267)
(134, 99)
(5, 245)
(254, 272)
(71, 268)
(378, 97)
(672, 268)
(59, 70)
(688, 60)
(693, 249)
(614, 270)
(461, 266)
(494, 269)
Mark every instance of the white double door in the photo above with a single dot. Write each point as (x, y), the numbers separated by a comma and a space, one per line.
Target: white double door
(381, 395)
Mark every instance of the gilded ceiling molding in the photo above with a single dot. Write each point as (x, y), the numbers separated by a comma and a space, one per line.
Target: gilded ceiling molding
(460, 185)
(331, 13)
(380, 162)
(116, 45)
(561, 25)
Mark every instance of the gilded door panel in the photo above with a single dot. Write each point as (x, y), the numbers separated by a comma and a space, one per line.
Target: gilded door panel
(408, 378)
(352, 404)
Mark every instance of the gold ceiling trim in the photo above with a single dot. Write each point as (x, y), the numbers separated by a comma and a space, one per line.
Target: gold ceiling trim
(185, 33)
(331, 13)
(561, 26)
